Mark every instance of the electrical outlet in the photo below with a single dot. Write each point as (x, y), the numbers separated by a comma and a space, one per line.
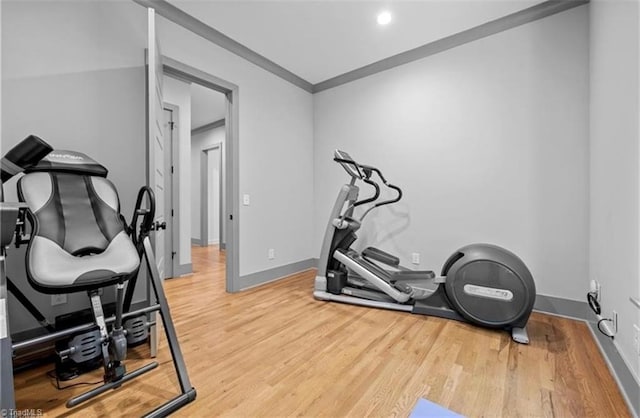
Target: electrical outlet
(415, 258)
(272, 254)
(58, 299)
(614, 322)
(636, 339)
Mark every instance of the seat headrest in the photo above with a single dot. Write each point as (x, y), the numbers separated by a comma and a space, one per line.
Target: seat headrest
(69, 162)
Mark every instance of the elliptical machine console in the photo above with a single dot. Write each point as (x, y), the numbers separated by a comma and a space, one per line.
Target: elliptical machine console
(482, 284)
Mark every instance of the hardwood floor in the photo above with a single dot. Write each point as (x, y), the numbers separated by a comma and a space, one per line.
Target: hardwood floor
(275, 351)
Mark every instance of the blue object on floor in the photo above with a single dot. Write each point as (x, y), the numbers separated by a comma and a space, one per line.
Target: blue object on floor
(428, 409)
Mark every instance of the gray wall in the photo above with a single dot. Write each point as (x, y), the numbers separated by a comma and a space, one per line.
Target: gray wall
(276, 152)
(73, 73)
(615, 169)
(489, 142)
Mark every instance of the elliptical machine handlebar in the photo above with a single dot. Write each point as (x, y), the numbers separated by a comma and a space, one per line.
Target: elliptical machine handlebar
(347, 162)
(373, 198)
(386, 183)
(365, 173)
(357, 172)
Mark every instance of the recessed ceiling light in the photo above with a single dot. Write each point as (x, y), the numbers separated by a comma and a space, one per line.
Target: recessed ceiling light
(384, 18)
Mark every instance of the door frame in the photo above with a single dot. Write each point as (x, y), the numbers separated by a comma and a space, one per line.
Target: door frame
(184, 72)
(204, 195)
(174, 188)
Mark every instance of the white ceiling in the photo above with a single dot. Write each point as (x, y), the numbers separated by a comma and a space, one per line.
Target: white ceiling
(206, 106)
(318, 40)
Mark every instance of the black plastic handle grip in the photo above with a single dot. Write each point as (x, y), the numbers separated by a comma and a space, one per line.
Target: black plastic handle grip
(350, 162)
(146, 224)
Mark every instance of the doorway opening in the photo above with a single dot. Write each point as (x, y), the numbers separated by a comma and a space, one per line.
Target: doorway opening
(211, 196)
(202, 158)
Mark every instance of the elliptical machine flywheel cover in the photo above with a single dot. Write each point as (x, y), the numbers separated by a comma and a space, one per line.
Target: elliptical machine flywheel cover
(489, 286)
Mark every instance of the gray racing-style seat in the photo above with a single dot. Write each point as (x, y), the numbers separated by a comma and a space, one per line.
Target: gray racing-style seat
(79, 239)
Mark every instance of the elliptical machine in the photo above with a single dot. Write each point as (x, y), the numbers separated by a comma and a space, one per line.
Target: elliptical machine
(482, 284)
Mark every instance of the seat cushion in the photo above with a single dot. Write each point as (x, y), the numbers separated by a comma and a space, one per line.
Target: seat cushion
(78, 240)
(51, 269)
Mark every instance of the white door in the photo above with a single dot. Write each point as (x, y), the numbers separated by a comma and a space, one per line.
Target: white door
(169, 129)
(155, 139)
(155, 149)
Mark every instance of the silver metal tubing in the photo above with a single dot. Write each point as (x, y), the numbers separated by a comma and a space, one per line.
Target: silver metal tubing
(119, 301)
(169, 328)
(371, 278)
(77, 400)
(80, 328)
(320, 295)
(348, 194)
